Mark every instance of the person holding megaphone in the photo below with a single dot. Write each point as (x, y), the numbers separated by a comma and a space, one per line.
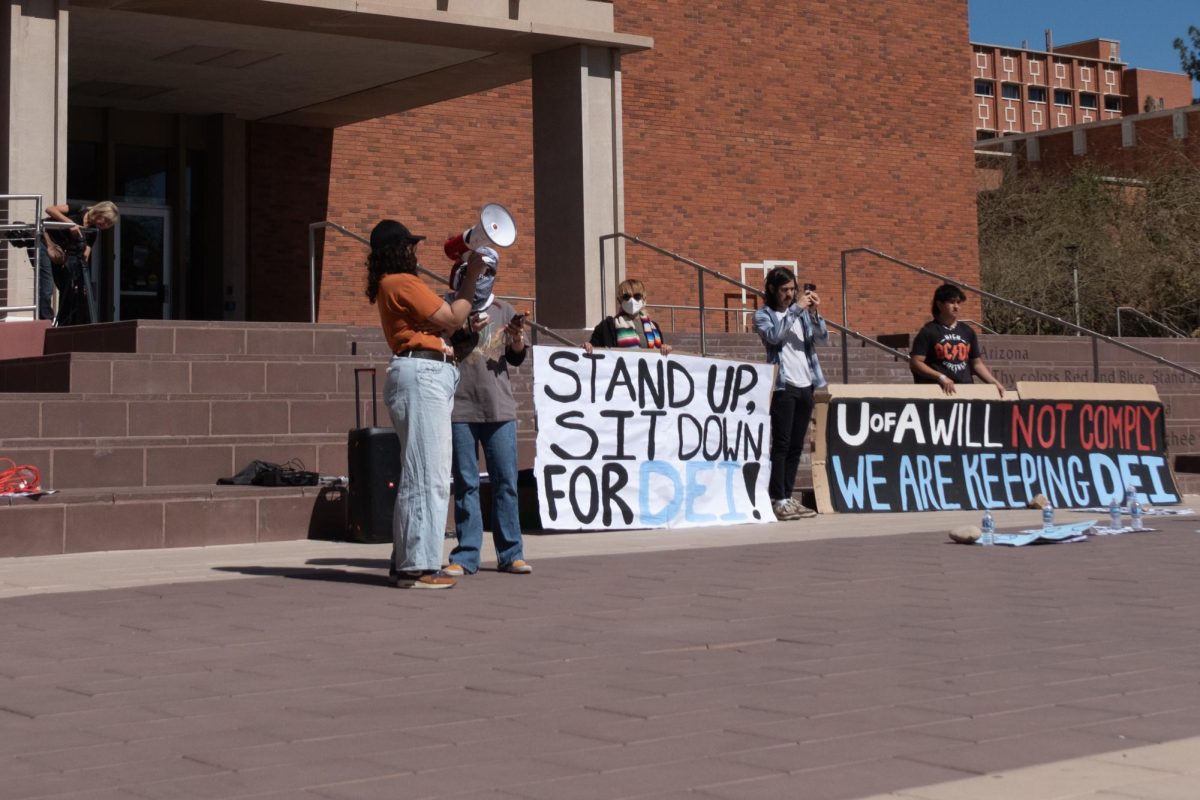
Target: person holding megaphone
(419, 392)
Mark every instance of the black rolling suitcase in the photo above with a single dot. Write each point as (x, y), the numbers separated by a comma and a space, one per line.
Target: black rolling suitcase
(373, 464)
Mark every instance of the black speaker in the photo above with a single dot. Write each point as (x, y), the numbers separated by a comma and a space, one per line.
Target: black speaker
(373, 465)
(373, 468)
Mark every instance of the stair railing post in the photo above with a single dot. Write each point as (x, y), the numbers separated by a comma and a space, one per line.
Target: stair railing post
(700, 293)
(602, 300)
(846, 322)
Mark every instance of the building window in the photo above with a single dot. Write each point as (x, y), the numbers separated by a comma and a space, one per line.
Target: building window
(981, 135)
(984, 89)
(1010, 91)
(1037, 94)
(1112, 102)
(1062, 97)
(1087, 100)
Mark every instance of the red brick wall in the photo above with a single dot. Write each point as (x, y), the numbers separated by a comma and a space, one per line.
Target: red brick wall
(794, 131)
(1156, 148)
(432, 169)
(763, 130)
(1175, 90)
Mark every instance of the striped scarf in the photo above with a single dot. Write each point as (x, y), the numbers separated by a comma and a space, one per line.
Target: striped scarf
(629, 336)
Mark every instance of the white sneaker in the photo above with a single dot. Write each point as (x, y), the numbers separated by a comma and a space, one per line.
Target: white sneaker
(783, 510)
(799, 509)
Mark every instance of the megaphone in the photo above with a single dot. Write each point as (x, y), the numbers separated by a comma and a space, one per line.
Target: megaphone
(494, 229)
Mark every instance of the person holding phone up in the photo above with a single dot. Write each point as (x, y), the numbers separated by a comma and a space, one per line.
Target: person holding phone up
(790, 327)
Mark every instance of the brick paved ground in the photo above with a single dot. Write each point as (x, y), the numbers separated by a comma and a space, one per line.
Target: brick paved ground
(821, 669)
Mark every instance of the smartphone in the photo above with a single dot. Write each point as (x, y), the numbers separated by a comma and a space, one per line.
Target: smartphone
(810, 287)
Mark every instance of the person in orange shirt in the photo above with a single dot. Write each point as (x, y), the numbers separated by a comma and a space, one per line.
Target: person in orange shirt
(419, 392)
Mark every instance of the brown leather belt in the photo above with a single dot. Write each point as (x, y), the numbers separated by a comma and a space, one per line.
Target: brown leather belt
(432, 355)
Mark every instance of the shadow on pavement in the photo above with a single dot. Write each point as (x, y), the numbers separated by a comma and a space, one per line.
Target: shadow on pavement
(363, 563)
(318, 574)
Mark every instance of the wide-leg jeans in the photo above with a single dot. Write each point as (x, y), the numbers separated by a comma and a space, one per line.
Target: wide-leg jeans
(420, 398)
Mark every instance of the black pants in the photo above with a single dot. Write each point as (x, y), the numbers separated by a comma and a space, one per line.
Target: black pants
(74, 307)
(791, 410)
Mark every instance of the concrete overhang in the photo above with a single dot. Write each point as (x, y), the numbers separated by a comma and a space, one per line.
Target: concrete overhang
(320, 63)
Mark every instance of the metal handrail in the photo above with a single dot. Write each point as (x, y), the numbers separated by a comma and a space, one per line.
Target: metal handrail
(702, 270)
(37, 258)
(312, 280)
(675, 307)
(1095, 335)
(1148, 318)
(981, 326)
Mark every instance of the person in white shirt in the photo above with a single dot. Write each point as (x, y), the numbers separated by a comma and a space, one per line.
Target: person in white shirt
(790, 326)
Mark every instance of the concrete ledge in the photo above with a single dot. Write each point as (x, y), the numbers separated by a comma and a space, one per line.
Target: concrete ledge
(81, 521)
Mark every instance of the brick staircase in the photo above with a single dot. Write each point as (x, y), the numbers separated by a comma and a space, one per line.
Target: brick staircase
(133, 422)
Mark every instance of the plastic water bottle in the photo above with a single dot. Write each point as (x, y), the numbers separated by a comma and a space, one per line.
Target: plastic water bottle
(1135, 513)
(1114, 514)
(1048, 517)
(987, 529)
(1130, 494)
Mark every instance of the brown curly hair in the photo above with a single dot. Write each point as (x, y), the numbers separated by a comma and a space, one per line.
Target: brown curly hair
(388, 260)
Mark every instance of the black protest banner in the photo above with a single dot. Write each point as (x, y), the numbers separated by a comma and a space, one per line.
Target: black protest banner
(892, 454)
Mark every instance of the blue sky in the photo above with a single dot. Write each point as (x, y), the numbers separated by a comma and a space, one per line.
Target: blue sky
(1145, 29)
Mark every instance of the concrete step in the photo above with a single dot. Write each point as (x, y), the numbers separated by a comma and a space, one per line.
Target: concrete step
(115, 416)
(193, 337)
(166, 461)
(84, 520)
(141, 373)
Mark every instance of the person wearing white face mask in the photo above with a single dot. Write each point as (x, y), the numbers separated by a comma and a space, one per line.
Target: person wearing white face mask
(632, 327)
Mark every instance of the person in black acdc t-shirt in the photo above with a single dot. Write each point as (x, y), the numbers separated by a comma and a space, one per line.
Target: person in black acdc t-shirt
(946, 351)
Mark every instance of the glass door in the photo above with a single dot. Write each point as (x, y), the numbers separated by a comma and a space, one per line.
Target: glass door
(142, 263)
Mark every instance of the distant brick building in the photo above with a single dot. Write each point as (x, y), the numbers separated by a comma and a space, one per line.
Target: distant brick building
(1020, 90)
(1128, 148)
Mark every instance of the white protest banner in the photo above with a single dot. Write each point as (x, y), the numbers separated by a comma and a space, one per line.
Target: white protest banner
(630, 439)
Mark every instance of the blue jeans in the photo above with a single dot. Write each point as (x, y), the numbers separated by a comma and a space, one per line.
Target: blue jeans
(420, 398)
(45, 271)
(499, 441)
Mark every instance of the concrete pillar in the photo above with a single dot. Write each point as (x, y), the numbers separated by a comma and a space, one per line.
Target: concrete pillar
(578, 182)
(33, 114)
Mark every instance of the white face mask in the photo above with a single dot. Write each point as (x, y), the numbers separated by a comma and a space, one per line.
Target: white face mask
(632, 307)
